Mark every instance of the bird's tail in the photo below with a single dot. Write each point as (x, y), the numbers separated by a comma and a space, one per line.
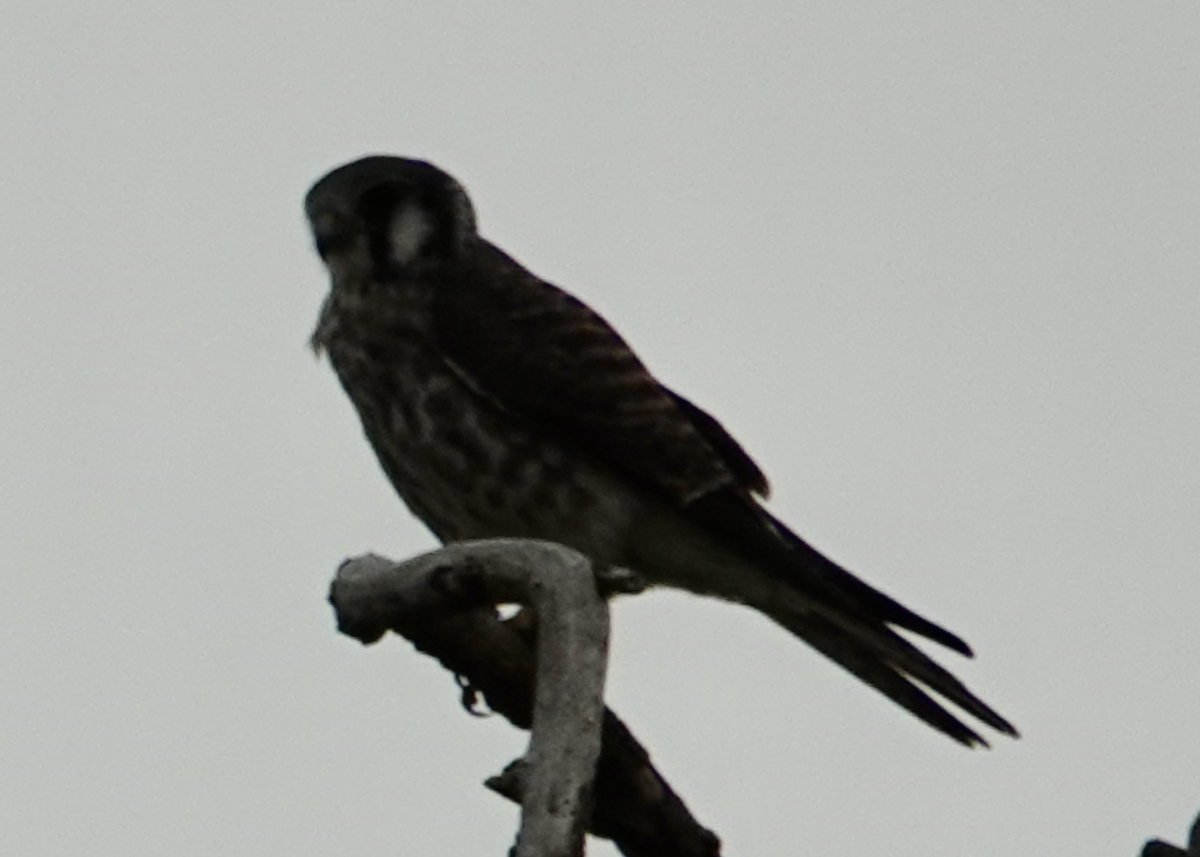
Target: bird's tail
(893, 666)
(859, 636)
(849, 621)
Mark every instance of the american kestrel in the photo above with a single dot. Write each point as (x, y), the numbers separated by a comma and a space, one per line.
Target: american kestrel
(501, 406)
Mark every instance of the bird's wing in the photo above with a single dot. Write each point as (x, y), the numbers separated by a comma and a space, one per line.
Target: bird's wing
(749, 476)
(545, 356)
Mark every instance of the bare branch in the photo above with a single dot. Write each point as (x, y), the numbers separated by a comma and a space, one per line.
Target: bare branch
(449, 616)
(572, 645)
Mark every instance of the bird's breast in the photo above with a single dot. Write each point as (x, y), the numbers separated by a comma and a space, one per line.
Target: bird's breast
(463, 463)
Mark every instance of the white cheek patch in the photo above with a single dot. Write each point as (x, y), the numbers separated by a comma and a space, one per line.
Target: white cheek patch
(409, 231)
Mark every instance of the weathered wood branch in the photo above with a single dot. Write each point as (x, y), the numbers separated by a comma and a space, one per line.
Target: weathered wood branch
(444, 603)
(572, 646)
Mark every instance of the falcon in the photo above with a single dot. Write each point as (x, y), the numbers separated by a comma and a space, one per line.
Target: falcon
(498, 405)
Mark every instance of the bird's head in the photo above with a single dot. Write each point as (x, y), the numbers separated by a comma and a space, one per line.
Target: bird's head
(383, 214)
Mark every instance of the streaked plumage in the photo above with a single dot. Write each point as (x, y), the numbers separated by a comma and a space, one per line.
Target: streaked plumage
(499, 405)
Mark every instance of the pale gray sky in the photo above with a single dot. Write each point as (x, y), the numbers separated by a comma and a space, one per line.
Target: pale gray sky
(935, 264)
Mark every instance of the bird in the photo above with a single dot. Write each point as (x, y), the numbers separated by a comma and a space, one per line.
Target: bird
(500, 406)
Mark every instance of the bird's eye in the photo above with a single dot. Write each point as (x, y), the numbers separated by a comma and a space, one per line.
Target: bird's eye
(329, 242)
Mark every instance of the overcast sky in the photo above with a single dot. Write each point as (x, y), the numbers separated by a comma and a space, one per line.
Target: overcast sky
(935, 264)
